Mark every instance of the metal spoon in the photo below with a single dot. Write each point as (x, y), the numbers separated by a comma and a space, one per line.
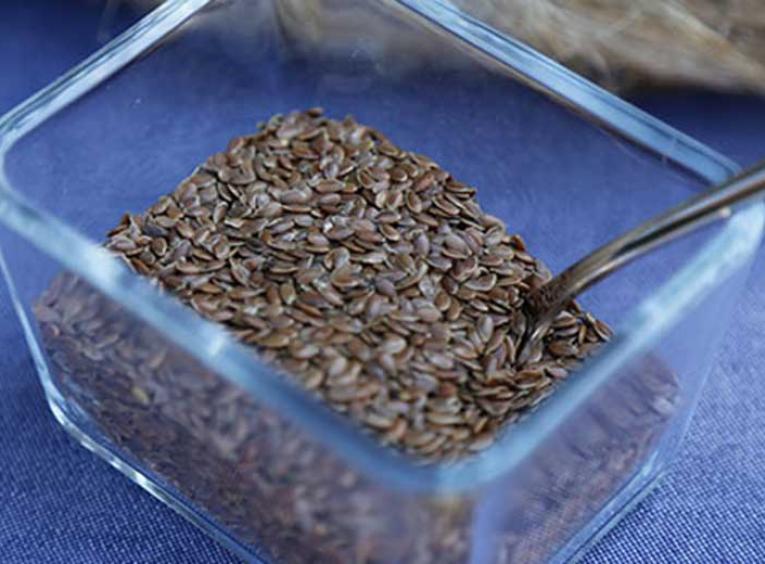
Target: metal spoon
(543, 304)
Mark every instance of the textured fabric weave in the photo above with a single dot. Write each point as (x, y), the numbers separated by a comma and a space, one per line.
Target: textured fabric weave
(58, 503)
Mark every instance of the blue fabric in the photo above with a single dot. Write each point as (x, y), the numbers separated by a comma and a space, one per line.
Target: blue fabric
(58, 503)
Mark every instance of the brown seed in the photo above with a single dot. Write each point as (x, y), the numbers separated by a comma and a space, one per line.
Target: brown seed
(429, 314)
(440, 360)
(139, 394)
(602, 330)
(445, 205)
(456, 243)
(329, 199)
(291, 197)
(497, 338)
(369, 236)
(379, 421)
(485, 327)
(483, 283)
(345, 278)
(398, 175)
(422, 245)
(481, 441)
(377, 257)
(159, 246)
(423, 182)
(465, 269)
(561, 348)
(275, 340)
(443, 418)
(337, 367)
(386, 287)
(465, 352)
(287, 293)
(329, 186)
(338, 233)
(390, 232)
(556, 372)
(394, 345)
(306, 351)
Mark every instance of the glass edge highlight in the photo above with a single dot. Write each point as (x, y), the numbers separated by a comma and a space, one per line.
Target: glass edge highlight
(214, 348)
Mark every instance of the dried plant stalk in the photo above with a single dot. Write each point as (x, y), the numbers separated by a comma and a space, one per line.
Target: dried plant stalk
(715, 44)
(620, 43)
(705, 43)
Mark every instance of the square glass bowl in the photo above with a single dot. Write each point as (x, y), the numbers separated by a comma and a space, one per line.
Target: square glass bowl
(197, 420)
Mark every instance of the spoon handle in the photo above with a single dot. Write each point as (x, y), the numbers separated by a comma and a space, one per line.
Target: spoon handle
(544, 303)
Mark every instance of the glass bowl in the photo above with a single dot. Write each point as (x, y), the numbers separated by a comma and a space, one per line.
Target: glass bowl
(175, 403)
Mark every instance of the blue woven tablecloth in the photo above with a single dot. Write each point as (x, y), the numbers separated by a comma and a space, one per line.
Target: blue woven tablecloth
(58, 503)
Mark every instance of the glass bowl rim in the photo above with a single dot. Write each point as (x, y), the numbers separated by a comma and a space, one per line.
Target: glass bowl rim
(728, 251)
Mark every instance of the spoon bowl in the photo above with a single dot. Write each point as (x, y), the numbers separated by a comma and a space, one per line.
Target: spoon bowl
(544, 303)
